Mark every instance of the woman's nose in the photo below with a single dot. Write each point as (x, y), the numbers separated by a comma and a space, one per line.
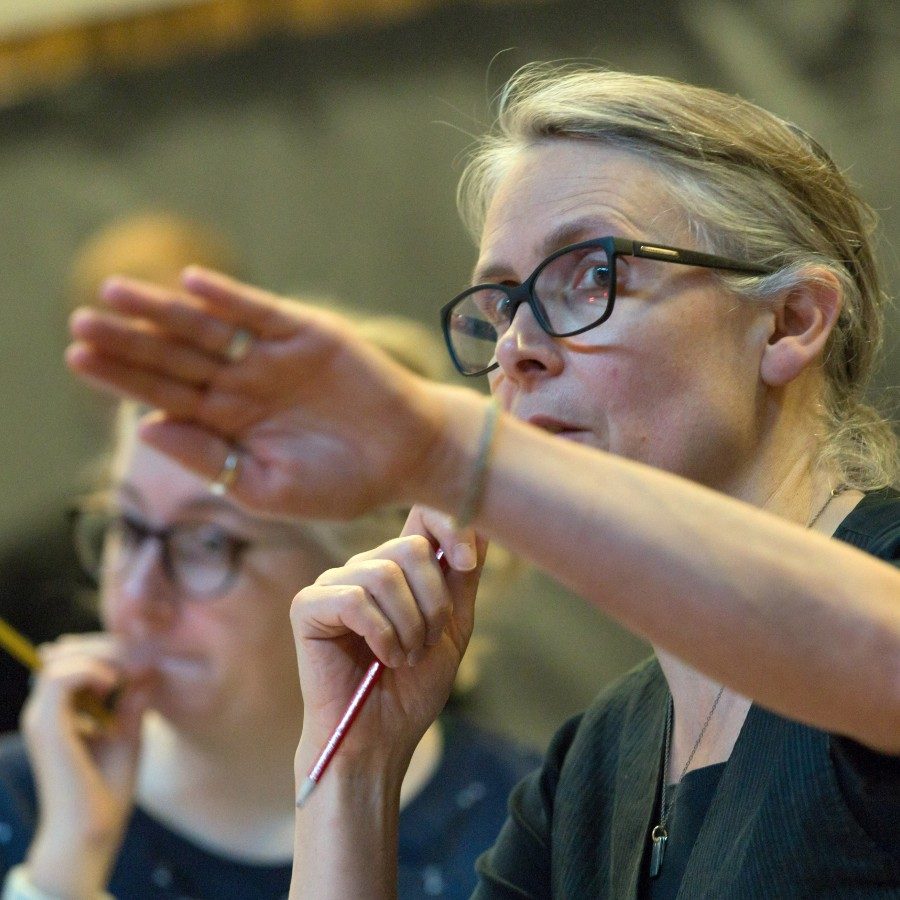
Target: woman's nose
(526, 351)
(137, 591)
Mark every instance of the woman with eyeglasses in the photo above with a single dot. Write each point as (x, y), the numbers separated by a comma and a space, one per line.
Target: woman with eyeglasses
(677, 307)
(185, 788)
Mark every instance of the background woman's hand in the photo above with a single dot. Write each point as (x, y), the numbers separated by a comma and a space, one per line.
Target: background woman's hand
(325, 424)
(412, 611)
(85, 770)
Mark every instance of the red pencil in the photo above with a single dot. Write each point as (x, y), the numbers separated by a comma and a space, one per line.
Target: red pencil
(363, 689)
(337, 736)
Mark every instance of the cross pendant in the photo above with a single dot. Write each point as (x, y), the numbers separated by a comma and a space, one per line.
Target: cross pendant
(658, 836)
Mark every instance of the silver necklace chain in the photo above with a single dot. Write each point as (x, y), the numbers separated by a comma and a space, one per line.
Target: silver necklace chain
(659, 835)
(834, 493)
(663, 806)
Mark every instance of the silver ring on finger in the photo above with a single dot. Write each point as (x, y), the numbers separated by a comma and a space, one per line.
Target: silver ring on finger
(239, 345)
(227, 474)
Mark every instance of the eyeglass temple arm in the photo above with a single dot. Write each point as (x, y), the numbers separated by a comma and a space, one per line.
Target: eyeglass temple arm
(693, 258)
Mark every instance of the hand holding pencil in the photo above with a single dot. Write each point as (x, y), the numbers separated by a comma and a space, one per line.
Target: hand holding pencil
(84, 754)
(19, 647)
(399, 604)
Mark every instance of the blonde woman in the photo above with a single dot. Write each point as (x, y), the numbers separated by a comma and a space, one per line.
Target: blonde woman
(677, 307)
(188, 791)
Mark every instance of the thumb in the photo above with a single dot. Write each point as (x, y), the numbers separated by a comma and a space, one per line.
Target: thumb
(459, 546)
(464, 552)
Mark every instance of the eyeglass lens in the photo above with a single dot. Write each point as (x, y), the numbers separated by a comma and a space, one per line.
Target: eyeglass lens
(201, 558)
(570, 292)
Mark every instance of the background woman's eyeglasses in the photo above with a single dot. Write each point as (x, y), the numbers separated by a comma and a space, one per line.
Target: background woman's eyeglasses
(571, 291)
(201, 559)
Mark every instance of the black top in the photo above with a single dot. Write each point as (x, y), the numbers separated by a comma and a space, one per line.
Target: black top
(687, 803)
(796, 813)
(442, 830)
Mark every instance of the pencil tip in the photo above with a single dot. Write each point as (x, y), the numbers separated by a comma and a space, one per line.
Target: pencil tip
(305, 790)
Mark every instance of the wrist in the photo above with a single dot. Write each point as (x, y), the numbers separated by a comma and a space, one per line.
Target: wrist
(19, 885)
(61, 865)
(346, 837)
(444, 479)
(375, 770)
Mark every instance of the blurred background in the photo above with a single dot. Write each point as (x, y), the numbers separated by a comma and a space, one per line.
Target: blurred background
(317, 144)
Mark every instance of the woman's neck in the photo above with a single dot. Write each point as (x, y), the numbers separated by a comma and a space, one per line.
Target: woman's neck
(234, 795)
(799, 497)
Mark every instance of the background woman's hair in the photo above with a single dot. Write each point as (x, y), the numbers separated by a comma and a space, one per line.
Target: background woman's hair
(749, 185)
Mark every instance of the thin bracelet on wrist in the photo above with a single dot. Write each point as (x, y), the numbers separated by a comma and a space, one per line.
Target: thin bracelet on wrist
(471, 501)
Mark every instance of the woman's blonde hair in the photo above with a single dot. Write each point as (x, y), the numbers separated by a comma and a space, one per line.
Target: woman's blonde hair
(751, 186)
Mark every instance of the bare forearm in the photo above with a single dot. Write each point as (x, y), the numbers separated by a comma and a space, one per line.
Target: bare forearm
(804, 625)
(345, 842)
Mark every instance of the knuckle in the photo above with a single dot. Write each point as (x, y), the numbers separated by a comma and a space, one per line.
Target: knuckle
(415, 634)
(352, 599)
(328, 577)
(440, 612)
(388, 576)
(385, 636)
(419, 548)
(298, 605)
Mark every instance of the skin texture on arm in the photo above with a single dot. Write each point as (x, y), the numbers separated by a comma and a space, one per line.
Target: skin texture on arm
(749, 599)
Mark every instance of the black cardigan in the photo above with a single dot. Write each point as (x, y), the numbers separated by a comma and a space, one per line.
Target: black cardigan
(794, 814)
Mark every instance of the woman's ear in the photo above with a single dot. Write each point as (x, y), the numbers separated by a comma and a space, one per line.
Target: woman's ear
(804, 317)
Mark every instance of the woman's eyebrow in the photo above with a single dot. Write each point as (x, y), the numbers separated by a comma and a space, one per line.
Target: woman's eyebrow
(571, 232)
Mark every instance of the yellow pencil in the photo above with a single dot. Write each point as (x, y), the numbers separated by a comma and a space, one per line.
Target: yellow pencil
(19, 647)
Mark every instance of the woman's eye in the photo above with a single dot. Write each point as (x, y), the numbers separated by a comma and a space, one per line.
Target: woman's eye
(494, 306)
(205, 540)
(593, 277)
(212, 539)
(131, 531)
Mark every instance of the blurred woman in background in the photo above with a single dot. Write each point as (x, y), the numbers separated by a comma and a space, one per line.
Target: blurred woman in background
(188, 791)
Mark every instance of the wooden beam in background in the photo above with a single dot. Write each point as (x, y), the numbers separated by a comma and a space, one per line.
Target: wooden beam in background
(32, 64)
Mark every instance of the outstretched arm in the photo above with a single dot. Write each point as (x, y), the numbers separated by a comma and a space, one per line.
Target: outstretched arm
(324, 422)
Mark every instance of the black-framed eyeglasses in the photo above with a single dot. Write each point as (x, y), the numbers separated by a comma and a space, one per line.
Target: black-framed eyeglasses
(571, 291)
(202, 559)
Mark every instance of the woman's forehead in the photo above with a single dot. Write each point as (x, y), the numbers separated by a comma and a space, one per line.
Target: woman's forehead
(561, 191)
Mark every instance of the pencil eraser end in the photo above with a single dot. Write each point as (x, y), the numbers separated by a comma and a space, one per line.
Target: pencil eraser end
(305, 790)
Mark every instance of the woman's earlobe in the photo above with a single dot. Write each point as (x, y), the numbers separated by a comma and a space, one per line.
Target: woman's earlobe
(804, 318)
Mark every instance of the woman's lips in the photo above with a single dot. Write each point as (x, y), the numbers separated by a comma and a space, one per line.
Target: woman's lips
(558, 428)
(183, 668)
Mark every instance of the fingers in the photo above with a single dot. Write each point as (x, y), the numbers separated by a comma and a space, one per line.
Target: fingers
(321, 612)
(119, 378)
(183, 316)
(395, 597)
(265, 314)
(459, 545)
(414, 559)
(96, 704)
(145, 345)
(464, 552)
(65, 677)
(194, 447)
